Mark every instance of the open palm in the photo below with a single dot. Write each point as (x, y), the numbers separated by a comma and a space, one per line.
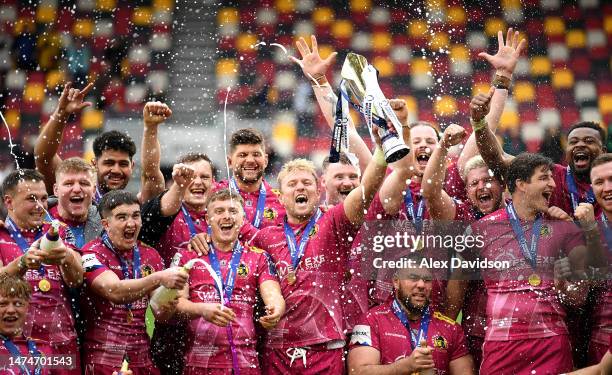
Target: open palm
(508, 52)
(312, 64)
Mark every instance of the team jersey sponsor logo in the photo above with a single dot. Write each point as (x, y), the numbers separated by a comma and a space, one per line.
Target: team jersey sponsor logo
(440, 342)
(276, 192)
(546, 231)
(361, 335)
(243, 270)
(91, 262)
(314, 230)
(256, 250)
(270, 213)
(146, 270)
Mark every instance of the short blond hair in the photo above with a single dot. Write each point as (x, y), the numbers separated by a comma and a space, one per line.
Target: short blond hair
(473, 163)
(75, 165)
(297, 165)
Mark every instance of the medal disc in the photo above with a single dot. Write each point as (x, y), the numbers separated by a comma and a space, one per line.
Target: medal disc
(44, 285)
(534, 280)
(129, 317)
(291, 278)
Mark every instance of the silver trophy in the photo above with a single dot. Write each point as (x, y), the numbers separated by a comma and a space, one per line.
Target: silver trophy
(361, 80)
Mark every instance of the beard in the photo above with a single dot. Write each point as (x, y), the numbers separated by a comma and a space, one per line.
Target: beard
(410, 307)
(240, 176)
(582, 175)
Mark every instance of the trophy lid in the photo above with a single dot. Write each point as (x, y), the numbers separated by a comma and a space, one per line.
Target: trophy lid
(352, 68)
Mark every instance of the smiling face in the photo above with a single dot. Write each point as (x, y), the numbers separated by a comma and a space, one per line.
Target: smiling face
(225, 218)
(248, 163)
(197, 192)
(583, 146)
(338, 181)
(299, 194)
(123, 225)
(27, 203)
(423, 141)
(483, 190)
(538, 189)
(413, 288)
(601, 180)
(13, 312)
(114, 169)
(74, 191)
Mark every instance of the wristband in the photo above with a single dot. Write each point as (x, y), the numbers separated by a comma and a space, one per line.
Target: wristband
(478, 125)
(22, 263)
(379, 157)
(320, 79)
(501, 82)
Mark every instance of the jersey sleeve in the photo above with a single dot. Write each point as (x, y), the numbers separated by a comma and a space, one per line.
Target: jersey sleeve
(343, 231)
(453, 183)
(365, 333)
(154, 225)
(458, 345)
(265, 268)
(94, 264)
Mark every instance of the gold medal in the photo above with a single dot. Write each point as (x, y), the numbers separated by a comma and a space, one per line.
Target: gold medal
(130, 316)
(534, 279)
(44, 285)
(291, 278)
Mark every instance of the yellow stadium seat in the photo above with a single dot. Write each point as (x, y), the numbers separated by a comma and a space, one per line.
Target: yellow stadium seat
(142, 16)
(89, 155)
(456, 15)
(284, 132)
(342, 29)
(24, 25)
(435, 4)
(605, 103)
(509, 119)
(447, 106)
(524, 92)
(245, 41)
(381, 41)
(459, 52)
(562, 79)
(106, 5)
(384, 65)
(575, 39)
(493, 25)
(554, 26)
(92, 119)
(608, 24)
(361, 5)
(45, 14)
(419, 66)
(54, 79)
(325, 50)
(511, 4)
(540, 66)
(322, 16)
(285, 6)
(228, 16)
(165, 5)
(227, 66)
(411, 103)
(439, 40)
(417, 28)
(480, 87)
(34, 92)
(83, 28)
(13, 118)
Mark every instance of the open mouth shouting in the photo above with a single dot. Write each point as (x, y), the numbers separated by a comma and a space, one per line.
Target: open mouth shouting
(422, 157)
(198, 193)
(226, 227)
(581, 159)
(547, 194)
(301, 201)
(129, 234)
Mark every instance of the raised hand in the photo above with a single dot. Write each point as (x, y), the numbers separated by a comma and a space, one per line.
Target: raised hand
(480, 105)
(504, 61)
(154, 113)
(400, 108)
(453, 135)
(312, 64)
(71, 101)
(182, 174)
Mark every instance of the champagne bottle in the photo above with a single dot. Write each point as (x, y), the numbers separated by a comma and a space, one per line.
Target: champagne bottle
(51, 239)
(430, 371)
(124, 365)
(162, 295)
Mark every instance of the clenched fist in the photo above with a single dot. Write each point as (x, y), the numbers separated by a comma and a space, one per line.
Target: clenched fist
(154, 113)
(453, 135)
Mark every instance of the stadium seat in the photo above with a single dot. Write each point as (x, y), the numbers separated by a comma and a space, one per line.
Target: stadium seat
(455, 16)
(562, 79)
(558, 52)
(384, 66)
(142, 16)
(585, 91)
(105, 5)
(92, 119)
(381, 42)
(83, 28)
(575, 39)
(605, 104)
(45, 13)
(446, 106)
(493, 25)
(509, 119)
(540, 66)
(524, 92)
(322, 16)
(34, 92)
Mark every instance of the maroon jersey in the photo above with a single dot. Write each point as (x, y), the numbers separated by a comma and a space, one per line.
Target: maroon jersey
(381, 329)
(313, 310)
(208, 345)
(453, 183)
(561, 196)
(7, 367)
(273, 212)
(49, 316)
(602, 314)
(517, 310)
(110, 333)
(178, 235)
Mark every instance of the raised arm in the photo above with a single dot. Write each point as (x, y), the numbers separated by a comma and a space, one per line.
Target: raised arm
(152, 180)
(441, 206)
(315, 68)
(50, 137)
(171, 201)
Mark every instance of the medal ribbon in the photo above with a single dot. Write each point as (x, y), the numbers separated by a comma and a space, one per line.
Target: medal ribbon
(124, 267)
(607, 231)
(15, 353)
(573, 190)
(340, 130)
(228, 290)
(298, 252)
(529, 252)
(261, 202)
(424, 327)
(189, 221)
(415, 217)
(98, 195)
(21, 241)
